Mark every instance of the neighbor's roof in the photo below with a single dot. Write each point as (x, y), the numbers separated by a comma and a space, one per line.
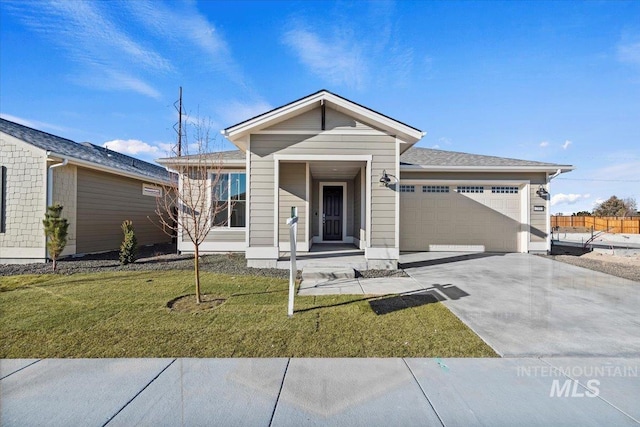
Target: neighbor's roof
(428, 158)
(99, 157)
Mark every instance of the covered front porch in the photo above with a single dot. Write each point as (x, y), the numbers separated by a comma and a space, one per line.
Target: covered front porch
(340, 255)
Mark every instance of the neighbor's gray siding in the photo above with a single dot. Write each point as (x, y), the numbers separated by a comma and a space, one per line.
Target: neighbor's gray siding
(104, 201)
(26, 192)
(293, 188)
(65, 193)
(537, 220)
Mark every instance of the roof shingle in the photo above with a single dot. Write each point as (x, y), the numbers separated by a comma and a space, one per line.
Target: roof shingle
(83, 151)
(431, 157)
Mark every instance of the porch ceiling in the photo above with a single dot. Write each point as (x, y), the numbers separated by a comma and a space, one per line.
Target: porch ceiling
(335, 170)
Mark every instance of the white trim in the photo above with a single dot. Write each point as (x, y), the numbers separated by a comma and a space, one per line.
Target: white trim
(276, 199)
(525, 218)
(212, 247)
(538, 247)
(210, 189)
(323, 157)
(368, 203)
(548, 220)
(262, 252)
(300, 247)
(248, 181)
(312, 101)
(307, 205)
(397, 195)
(324, 132)
(363, 208)
(427, 168)
(342, 184)
(382, 253)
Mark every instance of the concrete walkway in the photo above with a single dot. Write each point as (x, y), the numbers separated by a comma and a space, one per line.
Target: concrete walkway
(340, 392)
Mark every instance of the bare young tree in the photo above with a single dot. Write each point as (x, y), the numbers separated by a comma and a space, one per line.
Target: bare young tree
(196, 199)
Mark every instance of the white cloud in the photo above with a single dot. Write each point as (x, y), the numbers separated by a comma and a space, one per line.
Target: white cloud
(569, 199)
(629, 52)
(566, 144)
(35, 124)
(235, 111)
(131, 147)
(92, 36)
(340, 61)
(435, 146)
(444, 140)
(544, 144)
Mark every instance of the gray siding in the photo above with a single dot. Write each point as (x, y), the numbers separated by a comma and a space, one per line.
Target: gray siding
(312, 120)
(226, 235)
(263, 146)
(103, 202)
(261, 199)
(293, 186)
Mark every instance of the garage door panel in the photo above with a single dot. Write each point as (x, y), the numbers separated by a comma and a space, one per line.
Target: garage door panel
(482, 219)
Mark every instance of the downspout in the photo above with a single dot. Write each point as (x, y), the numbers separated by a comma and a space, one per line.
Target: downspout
(548, 204)
(50, 178)
(558, 172)
(50, 192)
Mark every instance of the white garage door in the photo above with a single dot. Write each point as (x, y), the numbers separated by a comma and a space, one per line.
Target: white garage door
(459, 217)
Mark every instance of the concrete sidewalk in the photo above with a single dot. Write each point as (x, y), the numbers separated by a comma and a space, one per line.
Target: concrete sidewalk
(341, 392)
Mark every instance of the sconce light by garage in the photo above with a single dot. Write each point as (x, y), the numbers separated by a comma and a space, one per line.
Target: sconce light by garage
(385, 180)
(542, 192)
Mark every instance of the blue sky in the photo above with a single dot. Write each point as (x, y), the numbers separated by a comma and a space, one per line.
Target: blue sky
(549, 81)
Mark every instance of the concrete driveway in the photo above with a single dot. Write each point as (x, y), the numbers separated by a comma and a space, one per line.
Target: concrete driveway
(526, 305)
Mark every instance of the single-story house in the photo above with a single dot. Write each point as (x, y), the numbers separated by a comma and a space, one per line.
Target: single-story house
(355, 177)
(98, 189)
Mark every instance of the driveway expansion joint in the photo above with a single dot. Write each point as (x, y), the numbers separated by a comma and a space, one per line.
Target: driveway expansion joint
(18, 370)
(423, 392)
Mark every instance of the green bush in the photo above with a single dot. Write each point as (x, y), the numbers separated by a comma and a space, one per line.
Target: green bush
(55, 230)
(129, 245)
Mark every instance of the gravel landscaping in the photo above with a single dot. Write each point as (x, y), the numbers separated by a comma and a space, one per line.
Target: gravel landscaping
(627, 267)
(157, 257)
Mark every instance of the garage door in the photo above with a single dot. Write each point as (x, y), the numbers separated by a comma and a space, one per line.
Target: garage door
(459, 217)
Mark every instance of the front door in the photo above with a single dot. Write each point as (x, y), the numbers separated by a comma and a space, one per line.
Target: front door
(332, 215)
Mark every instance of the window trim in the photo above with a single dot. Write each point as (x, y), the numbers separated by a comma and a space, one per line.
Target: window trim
(228, 172)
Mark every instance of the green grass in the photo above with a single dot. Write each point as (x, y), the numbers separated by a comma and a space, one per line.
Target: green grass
(124, 314)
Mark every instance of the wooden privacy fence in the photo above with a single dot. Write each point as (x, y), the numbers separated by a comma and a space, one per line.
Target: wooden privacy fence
(611, 224)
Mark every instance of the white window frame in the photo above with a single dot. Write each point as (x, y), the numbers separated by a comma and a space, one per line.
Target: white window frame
(229, 205)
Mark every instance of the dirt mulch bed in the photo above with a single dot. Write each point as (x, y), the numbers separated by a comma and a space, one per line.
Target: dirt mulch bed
(187, 303)
(627, 267)
(156, 258)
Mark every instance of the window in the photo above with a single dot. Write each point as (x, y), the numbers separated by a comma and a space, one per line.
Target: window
(407, 188)
(507, 189)
(231, 188)
(470, 189)
(435, 188)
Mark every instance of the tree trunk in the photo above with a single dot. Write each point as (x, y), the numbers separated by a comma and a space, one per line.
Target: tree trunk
(196, 264)
(54, 264)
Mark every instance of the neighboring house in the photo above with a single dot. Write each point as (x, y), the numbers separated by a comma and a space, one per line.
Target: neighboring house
(98, 189)
(337, 163)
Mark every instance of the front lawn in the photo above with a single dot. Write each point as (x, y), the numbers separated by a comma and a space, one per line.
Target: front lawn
(125, 314)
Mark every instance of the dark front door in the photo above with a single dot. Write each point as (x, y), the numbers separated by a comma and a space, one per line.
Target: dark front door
(332, 205)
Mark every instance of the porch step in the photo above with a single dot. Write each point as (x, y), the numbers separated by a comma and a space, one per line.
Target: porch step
(327, 272)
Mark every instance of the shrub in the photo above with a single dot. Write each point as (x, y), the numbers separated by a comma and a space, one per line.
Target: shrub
(55, 230)
(129, 245)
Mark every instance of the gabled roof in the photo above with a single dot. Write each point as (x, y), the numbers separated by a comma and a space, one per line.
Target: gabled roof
(86, 154)
(418, 158)
(404, 132)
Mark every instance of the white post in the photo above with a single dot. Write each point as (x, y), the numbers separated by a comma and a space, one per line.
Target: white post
(293, 231)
